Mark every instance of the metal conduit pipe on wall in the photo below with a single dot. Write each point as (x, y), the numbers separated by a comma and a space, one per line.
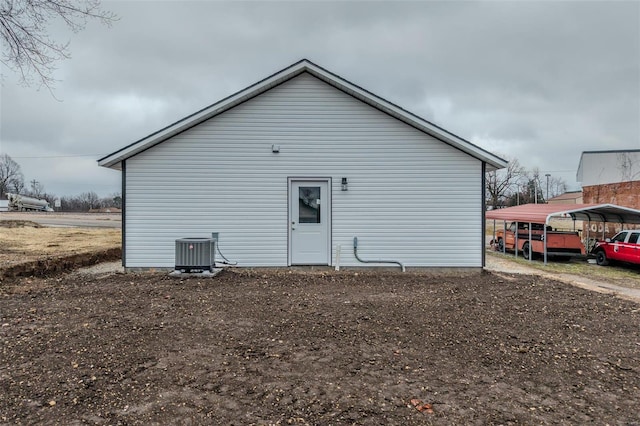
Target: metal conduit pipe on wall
(355, 253)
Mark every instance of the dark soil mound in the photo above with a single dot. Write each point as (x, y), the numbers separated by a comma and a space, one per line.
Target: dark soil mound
(51, 265)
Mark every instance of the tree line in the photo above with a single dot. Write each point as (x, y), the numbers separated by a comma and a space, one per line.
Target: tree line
(12, 181)
(516, 185)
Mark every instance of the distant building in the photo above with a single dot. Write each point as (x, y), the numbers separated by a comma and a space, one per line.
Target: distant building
(610, 177)
(571, 197)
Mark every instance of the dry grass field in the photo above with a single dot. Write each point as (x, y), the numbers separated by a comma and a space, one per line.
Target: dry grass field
(27, 246)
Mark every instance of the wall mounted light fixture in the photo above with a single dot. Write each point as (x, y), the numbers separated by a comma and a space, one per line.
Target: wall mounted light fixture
(344, 184)
(275, 148)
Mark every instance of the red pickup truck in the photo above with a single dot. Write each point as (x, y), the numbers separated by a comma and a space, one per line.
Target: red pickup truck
(560, 244)
(623, 247)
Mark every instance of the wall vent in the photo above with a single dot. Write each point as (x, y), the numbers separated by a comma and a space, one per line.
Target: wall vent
(195, 254)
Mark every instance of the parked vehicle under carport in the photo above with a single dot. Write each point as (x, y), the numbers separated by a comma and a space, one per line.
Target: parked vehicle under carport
(623, 247)
(543, 213)
(530, 241)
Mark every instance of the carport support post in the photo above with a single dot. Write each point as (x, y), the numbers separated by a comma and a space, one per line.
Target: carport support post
(504, 237)
(530, 245)
(516, 240)
(494, 234)
(545, 243)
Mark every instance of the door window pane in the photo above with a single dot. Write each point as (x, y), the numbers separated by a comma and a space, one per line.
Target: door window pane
(309, 204)
(633, 238)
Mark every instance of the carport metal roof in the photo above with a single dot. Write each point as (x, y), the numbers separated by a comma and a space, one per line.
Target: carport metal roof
(542, 213)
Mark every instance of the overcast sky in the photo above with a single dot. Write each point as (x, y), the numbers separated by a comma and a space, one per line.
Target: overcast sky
(537, 81)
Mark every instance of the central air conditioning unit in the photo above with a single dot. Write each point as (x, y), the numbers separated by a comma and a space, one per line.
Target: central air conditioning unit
(195, 254)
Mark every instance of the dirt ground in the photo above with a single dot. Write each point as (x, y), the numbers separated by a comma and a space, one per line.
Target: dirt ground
(281, 347)
(622, 281)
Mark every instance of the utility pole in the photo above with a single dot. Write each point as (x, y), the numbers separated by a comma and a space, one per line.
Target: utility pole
(35, 188)
(518, 192)
(547, 175)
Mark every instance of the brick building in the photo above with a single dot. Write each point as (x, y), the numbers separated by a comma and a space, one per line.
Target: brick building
(610, 177)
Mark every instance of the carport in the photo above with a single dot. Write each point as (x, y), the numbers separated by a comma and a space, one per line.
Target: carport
(543, 213)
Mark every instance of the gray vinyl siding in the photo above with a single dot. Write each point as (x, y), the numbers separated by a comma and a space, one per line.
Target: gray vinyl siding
(411, 197)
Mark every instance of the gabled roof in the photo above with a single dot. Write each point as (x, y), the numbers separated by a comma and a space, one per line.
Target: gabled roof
(114, 159)
(542, 213)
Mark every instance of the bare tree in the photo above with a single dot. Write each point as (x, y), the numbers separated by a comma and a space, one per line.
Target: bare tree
(27, 49)
(113, 200)
(89, 200)
(11, 176)
(499, 183)
(557, 186)
(117, 200)
(17, 186)
(629, 169)
(536, 187)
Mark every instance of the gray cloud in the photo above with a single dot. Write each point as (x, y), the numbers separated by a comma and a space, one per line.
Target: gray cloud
(537, 81)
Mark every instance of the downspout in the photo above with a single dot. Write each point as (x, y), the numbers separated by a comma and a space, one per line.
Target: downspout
(355, 253)
(123, 213)
(483, 237)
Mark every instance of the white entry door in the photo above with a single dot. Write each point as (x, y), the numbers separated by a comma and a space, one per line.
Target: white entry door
(309, 222)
